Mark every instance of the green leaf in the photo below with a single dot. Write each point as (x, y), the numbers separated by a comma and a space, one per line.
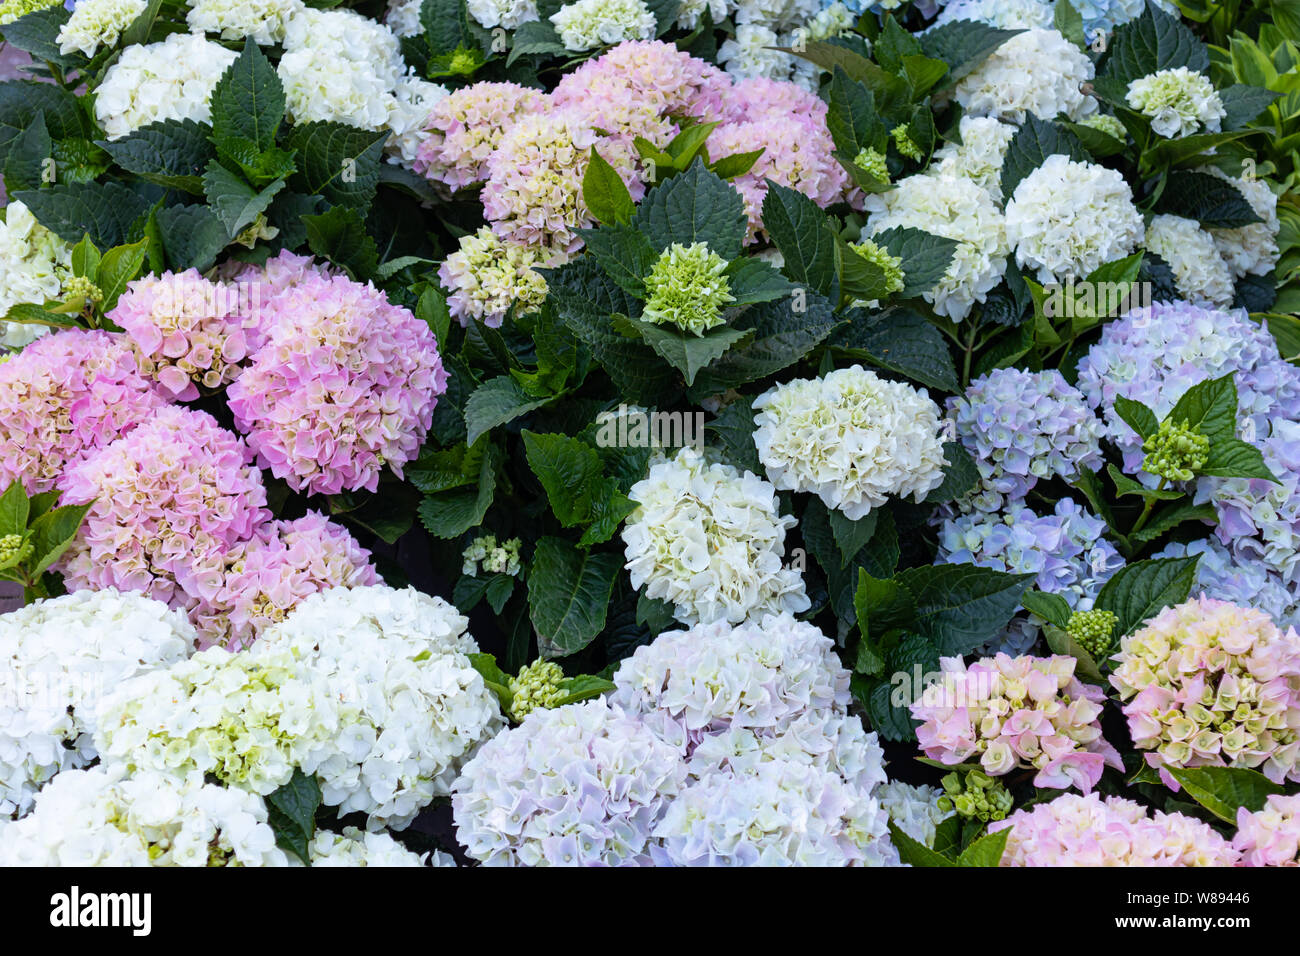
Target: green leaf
(570, 471)
(1154, 41)
(961, 607)
(568, 595)
(801, 232)
(85, 259)
(915, 853)
(1060, 642)
(339, 162)
(171, 153)
(1209, 407)
(901, 340)
(119, 266)
(696, 206)
(925, 257)
(192, 236)
(14, 510)
(1211, 201)
(103, 211)
(1035, 141)
(533, 38)
(21, 101)
(497, 680)
(605, 193)
(1242, 103)
(1050, 607)
(959, 477)
(495, 402)
(963, 45)
(1225, 790)
(53, 533)
(753, 281)
(340, 235)
(850, 535)
(782, 334)
(851, 118)
(1069, 23)
(734, 427)
(450, 514)
(685, 351)
(291, 813)
(27, 164)
(1166, 519)
(1124, 486)
(986, 851)
(737, 164)
(656, 615)
(624, 254)
(37, 33)
(1234, 458)
(236, 203)
(582, 687)
(881, 605)
(1140, 590)
(248, 101)
(1137, 416)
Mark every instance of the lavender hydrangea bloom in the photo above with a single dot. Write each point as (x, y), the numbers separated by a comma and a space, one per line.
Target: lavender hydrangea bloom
(1105, 15)
(1239, 580)
(1022, 426)
(1154, 355)
(1065, 550)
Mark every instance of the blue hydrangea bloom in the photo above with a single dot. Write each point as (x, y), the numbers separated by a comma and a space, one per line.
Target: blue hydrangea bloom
(1240, 580)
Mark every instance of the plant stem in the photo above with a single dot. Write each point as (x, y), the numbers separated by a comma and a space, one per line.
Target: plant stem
(1147, 509)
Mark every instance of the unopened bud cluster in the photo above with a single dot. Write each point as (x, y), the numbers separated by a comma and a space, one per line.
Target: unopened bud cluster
(536, 687)
(1175, 451)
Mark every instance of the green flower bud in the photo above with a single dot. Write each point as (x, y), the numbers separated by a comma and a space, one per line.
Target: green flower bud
(14, 550)
(1107, 124)
(976, 796)
(12, 10)
(1093, 631)
(891, 265)
(904, 143)
(872, 161)
(686, 288)
(536, 686)
(80, 286)
(1175, 452)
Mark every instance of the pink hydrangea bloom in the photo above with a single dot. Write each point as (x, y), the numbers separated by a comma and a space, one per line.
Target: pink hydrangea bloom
(169, 499)
(1211, 683)
(63, 397)
(1270, 836)
(189, 330)
(632, 89)
(268, 575)
(466, 127)
(533, 195)
(1087, 831)
(345, 385)
(789, 125)
(1017, 713)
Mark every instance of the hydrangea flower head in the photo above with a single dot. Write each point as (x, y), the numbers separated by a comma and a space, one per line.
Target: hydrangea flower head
(1066, 218)
(587, 24)
(686, 287)
(1017, 713)
(96, 23)
(168, 500)
(1178, 102)
(339, 66)
(1088, 831)
(1209, 683)
(1238, 579)
(399, 661)
(345, 385)
(262, 21)
(488, 277)
(466, 128)
(1037, 71)
(710, 542)
(35, 264)
(171, 79)
(582, 784)
(913, 809)
(1201, 274)
(955, 208)
(850, 437)
(60, 657)
(1270, 836)
(502, 13)
(1022, 427)
(1250, 249)
(62, 398)
(978, 157)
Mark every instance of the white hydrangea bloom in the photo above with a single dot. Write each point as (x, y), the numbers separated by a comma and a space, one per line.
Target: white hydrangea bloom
(340, 66)
(1199, 271)
(852, 438)
(96, 23)
(1252, 249)
(690, 12)
(412, 100)
(1038, 71)
(34, 262)
(246, 719)
(955, 208)
(913, 809)
(749, 53)
(417, 708)
(778, 14)
(262, 21)
(761, 675)
(581, 784)
(1003, 14)
(100, 817)
(355, 847)
(979, 155)
(1178, 102)
(778, 813)
(403, 17)
(173, 79)
(57, 659)
(502, 13)
(588, 24)
(709, 541)
(1067, 218)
